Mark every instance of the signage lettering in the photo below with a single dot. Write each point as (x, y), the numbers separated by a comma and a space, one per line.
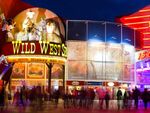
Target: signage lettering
(144, 55)
(41, 47)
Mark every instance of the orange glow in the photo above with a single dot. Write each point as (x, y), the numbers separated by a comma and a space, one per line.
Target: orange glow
(146, 38)
(146, 47)
(146, 33)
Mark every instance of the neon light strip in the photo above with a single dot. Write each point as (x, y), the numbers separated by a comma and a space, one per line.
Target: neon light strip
(146, 46)
(146, 33)
(137, 23)
(144, 10)
(143, 69)
(137, 17)
(142, 28)
(146, 38)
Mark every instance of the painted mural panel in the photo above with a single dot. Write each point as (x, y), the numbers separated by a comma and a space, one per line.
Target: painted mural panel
(36, 71)
(18, 71)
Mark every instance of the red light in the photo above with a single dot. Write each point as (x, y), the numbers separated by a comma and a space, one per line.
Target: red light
(140, 21)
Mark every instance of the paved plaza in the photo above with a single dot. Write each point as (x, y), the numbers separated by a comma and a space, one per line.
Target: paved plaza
(49, 107)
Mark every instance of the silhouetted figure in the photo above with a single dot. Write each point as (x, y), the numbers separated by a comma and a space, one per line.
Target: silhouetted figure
(145, 97)
(136, 94)
(119, 98)
(56, 97)
(2, 96)
(107, 98)
(125, 99)
(92, 95)
(16, 98)
(66, 100)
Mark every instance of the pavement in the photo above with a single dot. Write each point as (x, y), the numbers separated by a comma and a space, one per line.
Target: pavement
(49, 107)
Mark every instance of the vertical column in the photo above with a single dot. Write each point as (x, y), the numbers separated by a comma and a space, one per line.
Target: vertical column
(49, 78)
(64, 89)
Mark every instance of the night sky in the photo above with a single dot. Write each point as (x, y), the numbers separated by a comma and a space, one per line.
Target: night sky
(101, 10)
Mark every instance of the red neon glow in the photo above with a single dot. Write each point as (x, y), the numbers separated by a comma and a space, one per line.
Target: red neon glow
(140, 21)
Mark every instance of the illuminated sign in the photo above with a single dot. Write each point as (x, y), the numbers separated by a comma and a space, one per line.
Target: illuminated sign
(35, 48)
(144, 55)
(75, 83)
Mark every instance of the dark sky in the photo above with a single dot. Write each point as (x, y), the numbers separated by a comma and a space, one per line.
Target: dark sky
(105, 10)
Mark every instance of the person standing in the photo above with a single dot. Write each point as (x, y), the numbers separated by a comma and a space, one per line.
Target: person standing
(119, 97)
(145, 97)
(56, 96)
(125, 99)
(107, 98)
(136, 94)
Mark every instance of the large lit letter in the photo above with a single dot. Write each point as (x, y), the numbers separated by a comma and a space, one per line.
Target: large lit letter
(64, 50)
(33, 48)
(27, 51)
(16, 46)
(51, 49)
(43, 46)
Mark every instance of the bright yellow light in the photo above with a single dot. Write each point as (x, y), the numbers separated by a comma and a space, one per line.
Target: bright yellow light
(110, 84)
(35, 58)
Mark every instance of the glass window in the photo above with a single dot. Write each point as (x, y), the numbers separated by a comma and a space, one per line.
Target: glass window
(76, 30)
(113, 71)
(99, 51)
(96, 31)
(95, 71)
(77, 69)
(127, 35)
(113, 33)
(76, 50)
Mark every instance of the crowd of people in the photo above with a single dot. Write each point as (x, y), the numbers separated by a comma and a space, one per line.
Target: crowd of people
(83, 98)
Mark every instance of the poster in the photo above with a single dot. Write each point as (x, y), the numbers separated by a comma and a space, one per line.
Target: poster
(18, 71)
(36, 71)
